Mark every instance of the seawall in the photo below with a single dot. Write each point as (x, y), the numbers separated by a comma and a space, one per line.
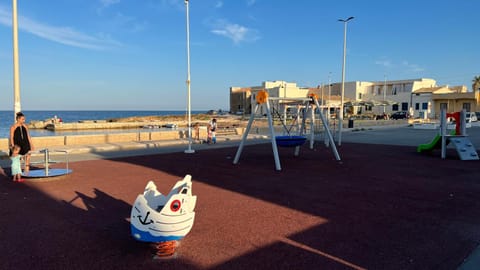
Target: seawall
(72, 140)
(175, 134)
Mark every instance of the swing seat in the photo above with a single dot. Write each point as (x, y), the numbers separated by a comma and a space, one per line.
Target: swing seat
(290, 141)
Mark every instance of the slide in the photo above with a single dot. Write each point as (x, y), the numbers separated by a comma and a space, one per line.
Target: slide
(434, 144)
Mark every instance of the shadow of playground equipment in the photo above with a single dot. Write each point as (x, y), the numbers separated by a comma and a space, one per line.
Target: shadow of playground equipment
(86, 232)
(383, 206)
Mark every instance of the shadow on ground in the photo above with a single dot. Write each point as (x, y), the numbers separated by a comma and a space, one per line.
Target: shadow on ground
(382, 207)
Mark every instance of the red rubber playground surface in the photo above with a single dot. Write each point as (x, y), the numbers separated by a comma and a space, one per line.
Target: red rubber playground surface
(382, 207)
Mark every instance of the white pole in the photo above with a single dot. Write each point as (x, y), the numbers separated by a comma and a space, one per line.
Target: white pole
(16, 74)
(329, 95)
(384, 91)
(340, 125)
(443, 132)
(189, 109)
(323, 98)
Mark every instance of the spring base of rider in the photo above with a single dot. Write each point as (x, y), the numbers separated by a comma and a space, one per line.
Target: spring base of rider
(165, 250)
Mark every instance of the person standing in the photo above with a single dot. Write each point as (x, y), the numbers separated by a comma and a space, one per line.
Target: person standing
(212, 128)
(16, 166)
(196, 128)
(19, 135)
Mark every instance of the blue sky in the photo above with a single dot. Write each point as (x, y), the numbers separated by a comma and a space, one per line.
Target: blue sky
(131, 54)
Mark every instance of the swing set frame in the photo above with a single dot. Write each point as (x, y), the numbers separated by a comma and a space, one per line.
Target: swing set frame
(309, 103)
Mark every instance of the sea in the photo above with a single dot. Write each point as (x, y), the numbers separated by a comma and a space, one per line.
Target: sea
(7, 119)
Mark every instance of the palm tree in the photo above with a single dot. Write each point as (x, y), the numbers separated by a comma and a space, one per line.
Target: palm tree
(476, 83)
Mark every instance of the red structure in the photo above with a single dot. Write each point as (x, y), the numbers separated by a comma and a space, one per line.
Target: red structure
(456, 116)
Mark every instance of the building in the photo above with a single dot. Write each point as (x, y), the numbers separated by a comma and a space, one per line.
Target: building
(242, 98)
(422, 98)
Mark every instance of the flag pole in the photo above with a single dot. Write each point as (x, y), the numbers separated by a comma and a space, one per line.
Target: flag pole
(189, 109)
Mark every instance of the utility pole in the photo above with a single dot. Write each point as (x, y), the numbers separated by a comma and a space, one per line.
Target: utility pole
(384, 91)
(16, 73)
(329, 94)
(340, 126)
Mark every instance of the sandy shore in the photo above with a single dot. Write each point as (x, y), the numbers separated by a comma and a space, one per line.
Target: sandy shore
(180, 121)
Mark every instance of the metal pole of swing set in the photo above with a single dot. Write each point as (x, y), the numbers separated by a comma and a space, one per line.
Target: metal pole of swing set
(16, 74)
(189, 150)
(340, 126)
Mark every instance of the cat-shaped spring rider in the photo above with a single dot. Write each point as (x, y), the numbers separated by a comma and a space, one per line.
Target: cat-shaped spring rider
(161, 219)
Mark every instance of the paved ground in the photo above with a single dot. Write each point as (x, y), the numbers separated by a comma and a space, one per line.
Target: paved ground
(382, 207)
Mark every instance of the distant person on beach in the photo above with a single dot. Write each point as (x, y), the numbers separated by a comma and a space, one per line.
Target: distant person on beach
(196, 129)
(20, 136)
(16, 165)
(212, 128)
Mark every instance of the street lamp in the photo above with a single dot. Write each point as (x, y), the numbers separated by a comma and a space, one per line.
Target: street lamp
(384, 92)
(329, 95)
(343, 78)
(16, 73)
(189, 109)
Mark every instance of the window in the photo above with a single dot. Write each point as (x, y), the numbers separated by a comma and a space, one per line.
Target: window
(395, 107)
(443, 106)
(417, 106)
(359, 95)
(404, 106)
(425, 106)
(466, 106)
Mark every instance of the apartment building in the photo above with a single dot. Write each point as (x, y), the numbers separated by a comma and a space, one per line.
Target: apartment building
(242, 98)
(422, 98)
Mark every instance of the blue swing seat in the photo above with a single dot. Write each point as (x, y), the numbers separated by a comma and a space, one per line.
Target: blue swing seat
(290, 141)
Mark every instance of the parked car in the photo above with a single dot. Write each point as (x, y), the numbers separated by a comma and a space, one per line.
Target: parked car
(399, 115)
(471, 117)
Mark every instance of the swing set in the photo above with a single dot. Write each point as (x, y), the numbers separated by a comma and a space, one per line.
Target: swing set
(288, 139)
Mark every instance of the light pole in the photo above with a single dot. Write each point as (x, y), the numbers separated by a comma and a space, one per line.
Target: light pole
(16, 75)
(384, 92)
(189, 109)
(340, 126)
(329, 95)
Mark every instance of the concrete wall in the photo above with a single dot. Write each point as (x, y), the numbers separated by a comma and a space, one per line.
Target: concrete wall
(48, 141)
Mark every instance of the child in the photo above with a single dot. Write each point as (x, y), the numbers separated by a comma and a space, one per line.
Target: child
(212, 127)
(16, 166)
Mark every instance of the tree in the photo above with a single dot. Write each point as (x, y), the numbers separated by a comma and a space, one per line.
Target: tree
(476, 83)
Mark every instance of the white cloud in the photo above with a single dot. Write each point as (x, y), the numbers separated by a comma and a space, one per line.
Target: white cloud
(237, 33)
(404, 65)
(107, 3)
(64, 35)
(5, 17)
(129, 23)
(104, 4)
(412, 67)
(385, 63)
(219, 4)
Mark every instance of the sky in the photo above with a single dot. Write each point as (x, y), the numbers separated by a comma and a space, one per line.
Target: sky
(132, 54)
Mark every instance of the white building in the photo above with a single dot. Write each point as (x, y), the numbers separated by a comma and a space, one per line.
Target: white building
(417, 96)
(242, 98)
